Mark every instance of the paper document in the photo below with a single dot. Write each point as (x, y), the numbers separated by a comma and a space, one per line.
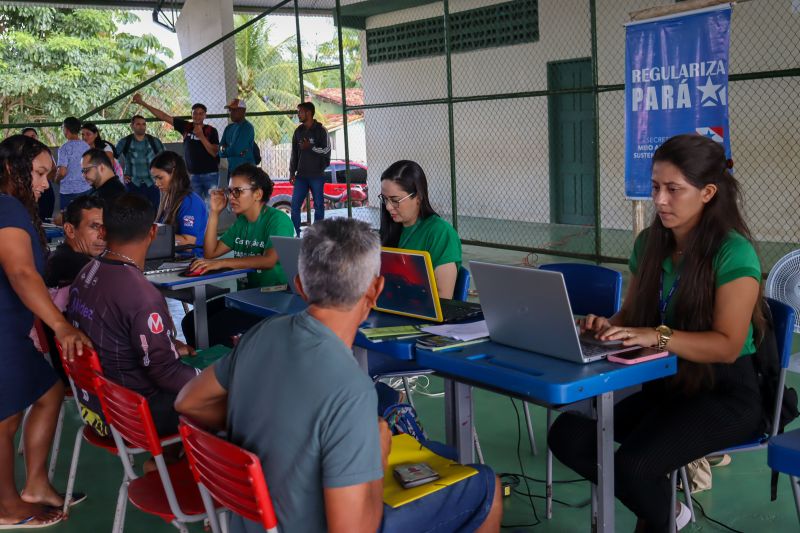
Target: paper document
(463, 332)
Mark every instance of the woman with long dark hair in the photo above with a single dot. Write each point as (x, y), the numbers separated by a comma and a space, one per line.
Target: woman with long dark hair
(409, 221)
(695, 291)
(179, 207)
(26, 379)
(91, 136)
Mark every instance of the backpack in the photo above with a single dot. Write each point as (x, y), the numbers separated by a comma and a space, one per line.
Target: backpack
(126, 144)
(766, 362)
(256, 154)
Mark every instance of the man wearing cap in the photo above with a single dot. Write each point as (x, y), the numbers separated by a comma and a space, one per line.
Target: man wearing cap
(238, 138)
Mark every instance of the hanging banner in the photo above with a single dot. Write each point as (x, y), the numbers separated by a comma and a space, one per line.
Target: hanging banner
(676, 81)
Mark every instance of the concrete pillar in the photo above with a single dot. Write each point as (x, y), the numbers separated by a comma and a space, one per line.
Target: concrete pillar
(211, 77)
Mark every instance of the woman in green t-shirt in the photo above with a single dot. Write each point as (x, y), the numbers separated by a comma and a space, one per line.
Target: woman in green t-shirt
(248, 192)
(695, 291)
(408, 221)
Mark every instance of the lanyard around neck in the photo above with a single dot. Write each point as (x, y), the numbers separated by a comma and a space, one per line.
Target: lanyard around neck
(664, 302)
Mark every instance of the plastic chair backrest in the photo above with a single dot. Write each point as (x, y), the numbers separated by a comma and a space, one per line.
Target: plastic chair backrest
(591, 288)
(129, 413)
(231, 475)
(461, 290)
(783, 320)
(83, 369)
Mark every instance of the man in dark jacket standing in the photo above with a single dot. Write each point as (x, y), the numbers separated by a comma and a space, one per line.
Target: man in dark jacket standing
(311, 154)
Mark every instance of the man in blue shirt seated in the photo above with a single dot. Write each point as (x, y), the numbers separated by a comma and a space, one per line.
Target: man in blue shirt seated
(292, 393)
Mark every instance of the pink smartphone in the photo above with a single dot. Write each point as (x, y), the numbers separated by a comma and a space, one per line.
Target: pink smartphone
(637, 356)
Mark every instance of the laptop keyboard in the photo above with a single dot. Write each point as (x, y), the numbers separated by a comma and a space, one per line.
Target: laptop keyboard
(453, 310)
(591, 350)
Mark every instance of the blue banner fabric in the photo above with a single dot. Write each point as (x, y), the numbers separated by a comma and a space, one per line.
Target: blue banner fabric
(676, 81)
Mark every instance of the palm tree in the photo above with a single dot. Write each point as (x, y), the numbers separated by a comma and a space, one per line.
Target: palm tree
(266, 78)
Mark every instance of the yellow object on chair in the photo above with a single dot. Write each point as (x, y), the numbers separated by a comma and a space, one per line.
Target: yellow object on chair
(406, 449)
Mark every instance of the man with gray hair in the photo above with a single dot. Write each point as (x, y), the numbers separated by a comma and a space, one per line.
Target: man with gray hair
(292, 393)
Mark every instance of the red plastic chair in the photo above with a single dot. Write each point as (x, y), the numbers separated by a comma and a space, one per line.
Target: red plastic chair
(229, 474)
(81, 373)
(170, 492)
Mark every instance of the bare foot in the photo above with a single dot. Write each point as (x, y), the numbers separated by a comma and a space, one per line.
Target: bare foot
(17, 512)
(45, 495)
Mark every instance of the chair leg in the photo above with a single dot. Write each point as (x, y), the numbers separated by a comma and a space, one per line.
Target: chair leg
(477, 443)
(224, 521)
(795, 481)
(407, 387)
(530, 427)
(181, 526)
(687, 491)
(21, 447)
(51, 472)
(122, 504)
(673, 480)
(73, 468)
(548, 470)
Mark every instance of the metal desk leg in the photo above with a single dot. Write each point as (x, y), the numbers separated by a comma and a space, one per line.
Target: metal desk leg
(361, 358)
(605, 462)
(200, 317)
(458, 419)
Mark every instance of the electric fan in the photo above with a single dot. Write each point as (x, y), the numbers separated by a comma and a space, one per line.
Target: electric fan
(783, 284)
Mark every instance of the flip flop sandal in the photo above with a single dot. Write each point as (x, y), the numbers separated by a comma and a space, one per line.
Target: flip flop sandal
(26, 524)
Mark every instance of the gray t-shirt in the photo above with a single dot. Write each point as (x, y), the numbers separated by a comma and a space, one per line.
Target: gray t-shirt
(298, 400)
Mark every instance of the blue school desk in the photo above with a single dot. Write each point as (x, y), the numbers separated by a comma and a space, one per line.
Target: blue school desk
(397, 354)
(545, 381)
(197, 285)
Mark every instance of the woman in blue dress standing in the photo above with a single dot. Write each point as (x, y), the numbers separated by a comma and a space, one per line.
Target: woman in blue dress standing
(26, 379)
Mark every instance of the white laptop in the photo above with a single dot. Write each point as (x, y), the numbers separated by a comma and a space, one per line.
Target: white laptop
(288, 250)
(529, 309)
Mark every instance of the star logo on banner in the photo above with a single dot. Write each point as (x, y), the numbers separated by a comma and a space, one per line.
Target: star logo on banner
(710, 96)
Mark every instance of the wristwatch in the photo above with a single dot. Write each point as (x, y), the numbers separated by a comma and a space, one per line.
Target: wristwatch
(664, 335)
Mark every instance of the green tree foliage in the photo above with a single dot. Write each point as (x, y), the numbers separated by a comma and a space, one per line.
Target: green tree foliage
(60, 62)
(266, 78)
(327, 53)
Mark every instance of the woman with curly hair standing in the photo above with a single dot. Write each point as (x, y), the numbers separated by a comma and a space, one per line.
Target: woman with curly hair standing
(26, 378)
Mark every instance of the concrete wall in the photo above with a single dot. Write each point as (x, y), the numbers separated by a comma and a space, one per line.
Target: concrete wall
(502, 147)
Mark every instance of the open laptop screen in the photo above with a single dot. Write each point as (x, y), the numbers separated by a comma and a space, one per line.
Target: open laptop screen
(409, 287)
(163, 246)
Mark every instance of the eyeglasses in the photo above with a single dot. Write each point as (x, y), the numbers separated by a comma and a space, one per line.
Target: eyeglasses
(85, 170)
(236, 192)
(395, 203)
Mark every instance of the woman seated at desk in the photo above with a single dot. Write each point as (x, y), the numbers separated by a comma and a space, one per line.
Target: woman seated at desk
(408, 221)
(248, 192)
(179, 206)
(695, 291)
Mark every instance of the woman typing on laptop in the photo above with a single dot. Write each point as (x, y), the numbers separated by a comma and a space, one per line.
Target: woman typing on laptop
(695, 291)
(408, 221)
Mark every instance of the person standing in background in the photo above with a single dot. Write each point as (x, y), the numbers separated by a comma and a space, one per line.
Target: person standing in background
(200, 145)
(47, 202)
(69, 174)
(238, 139)
(136, 151)
(311, 154)
(91, 136)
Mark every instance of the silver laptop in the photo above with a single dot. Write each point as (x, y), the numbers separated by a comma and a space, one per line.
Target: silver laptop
(529, 309)
(288, 250)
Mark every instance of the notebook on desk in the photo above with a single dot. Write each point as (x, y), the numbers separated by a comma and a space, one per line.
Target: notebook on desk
(410, 289)
(529, 309)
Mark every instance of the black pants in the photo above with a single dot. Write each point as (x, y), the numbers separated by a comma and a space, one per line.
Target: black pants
(659, 430)
(223, 323)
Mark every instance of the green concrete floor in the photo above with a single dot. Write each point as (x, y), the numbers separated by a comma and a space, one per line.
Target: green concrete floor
(739, 498)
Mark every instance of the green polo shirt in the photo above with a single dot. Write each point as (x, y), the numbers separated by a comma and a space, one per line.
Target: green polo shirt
(735, 259)
(435, 236)
(248, 239)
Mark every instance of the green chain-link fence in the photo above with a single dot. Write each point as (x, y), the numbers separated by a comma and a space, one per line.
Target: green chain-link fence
(514, 109)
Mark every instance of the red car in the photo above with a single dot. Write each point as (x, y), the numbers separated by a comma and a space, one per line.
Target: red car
(335, 188)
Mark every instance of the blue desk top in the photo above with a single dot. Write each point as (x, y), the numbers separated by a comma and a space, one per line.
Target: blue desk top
(267, 304)
(52, 232)
(538, 377)
(171, 280)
